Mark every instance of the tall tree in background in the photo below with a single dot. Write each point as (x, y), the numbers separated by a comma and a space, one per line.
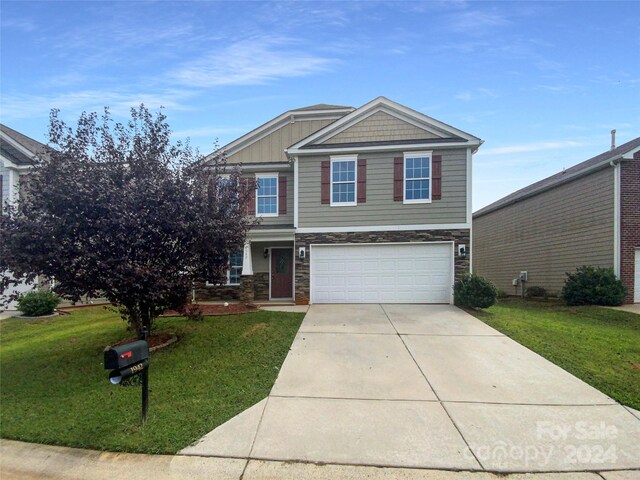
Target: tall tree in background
(121, 212)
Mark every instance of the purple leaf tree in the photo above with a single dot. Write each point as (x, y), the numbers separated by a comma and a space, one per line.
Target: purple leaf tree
(120, 211)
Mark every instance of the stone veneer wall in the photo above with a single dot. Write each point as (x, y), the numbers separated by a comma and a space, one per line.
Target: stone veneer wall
(258, 284)
(302, 281)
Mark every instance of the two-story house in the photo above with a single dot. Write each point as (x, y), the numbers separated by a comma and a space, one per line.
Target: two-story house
(356, 205)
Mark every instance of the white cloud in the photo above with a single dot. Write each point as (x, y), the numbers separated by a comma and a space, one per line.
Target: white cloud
(250, 62)
(473, 21)
(21, 24)
(475, 94)
(529, 147)
(16, 106)
(211, 131)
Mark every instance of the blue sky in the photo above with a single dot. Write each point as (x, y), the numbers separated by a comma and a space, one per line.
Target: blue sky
(541, 83)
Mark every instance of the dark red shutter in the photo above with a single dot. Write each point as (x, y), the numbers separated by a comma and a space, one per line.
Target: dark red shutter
(398, 177)
(325, 182)
(282, 195)
(248, 186)
(362, 181)
(436, 177)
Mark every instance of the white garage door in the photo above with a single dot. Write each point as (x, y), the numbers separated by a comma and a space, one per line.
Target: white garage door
(385, 273)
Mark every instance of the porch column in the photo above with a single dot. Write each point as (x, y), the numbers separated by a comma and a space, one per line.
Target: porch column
(247, 263)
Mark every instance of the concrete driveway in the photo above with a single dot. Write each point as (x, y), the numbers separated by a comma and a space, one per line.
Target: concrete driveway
(426, 386)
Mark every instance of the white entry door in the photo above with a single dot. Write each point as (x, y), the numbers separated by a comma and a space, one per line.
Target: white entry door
(382, 273)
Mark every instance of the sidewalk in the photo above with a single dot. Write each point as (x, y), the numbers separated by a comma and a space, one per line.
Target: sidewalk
(26, 461)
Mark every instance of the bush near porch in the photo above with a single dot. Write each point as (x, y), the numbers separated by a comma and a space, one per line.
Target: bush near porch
(599, 345)
(54, 389)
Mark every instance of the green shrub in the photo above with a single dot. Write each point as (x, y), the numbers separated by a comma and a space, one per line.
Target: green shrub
(35, 304)
(474, 291)
(593, 286)
(502, 294)
(536, 292)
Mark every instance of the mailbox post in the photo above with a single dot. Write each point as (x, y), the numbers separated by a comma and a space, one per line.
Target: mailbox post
(128, 360)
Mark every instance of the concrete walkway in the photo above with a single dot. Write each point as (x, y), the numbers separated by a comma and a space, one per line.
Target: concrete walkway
(426, 387)
(633, 308)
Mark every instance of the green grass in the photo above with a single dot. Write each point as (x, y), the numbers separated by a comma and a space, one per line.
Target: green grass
(598, 345)
(54, 389)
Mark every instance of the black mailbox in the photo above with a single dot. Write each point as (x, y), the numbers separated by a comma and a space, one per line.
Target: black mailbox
(126, 360)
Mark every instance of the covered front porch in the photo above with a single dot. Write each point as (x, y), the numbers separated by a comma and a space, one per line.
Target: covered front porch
(262, 272)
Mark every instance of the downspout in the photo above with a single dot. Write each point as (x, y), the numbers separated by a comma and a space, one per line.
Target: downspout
(615, 163)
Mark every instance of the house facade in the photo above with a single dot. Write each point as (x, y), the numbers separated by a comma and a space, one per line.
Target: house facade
(355, 205)
(17, 154)
(588, 214)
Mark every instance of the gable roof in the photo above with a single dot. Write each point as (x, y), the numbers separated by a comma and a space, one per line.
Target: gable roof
(445, 133)
(319, 111)
(567, 175)
(321, 106)
(18, 148)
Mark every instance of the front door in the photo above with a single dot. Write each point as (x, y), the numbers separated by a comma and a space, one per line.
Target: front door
(281, 273)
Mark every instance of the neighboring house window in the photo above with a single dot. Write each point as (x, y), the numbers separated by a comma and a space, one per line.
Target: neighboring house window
(417, 177)
(267, 196)
(343, 181)
(235, 268)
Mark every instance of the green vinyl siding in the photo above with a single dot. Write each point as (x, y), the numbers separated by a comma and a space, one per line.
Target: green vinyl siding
(380, 208)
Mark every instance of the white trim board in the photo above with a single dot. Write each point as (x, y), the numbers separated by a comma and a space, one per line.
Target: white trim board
(385, 228)
(380, 148)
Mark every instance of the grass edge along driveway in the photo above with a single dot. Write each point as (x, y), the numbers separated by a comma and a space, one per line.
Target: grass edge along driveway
(54, 389)
(601, 346)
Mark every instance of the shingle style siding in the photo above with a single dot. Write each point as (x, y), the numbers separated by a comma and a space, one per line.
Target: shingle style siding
(629, 221)
(271, 147)
(380, 126)
(380, 208)
(548, 234)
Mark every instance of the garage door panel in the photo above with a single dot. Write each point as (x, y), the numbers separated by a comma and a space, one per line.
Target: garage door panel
(371, 273)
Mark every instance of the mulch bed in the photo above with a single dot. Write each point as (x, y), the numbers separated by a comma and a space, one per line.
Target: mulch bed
(217, 309)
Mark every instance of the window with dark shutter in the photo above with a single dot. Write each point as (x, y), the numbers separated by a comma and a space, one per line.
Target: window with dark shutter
(398, 177)
(282, 195)
(249, 186)
(362, 181)
(436, 177)
(325, 182)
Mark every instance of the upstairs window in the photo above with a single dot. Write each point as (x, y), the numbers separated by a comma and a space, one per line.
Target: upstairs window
(267, 196)
(343, 181)
(417, 178)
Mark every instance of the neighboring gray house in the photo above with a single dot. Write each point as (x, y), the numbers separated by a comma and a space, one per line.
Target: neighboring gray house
(357, 205)
(17, 154)
(588, 214)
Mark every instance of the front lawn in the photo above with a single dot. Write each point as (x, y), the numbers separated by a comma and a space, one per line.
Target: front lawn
(598, 345)
(53, 388)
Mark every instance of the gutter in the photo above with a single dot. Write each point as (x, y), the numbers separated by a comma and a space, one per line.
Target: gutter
(599, 166)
